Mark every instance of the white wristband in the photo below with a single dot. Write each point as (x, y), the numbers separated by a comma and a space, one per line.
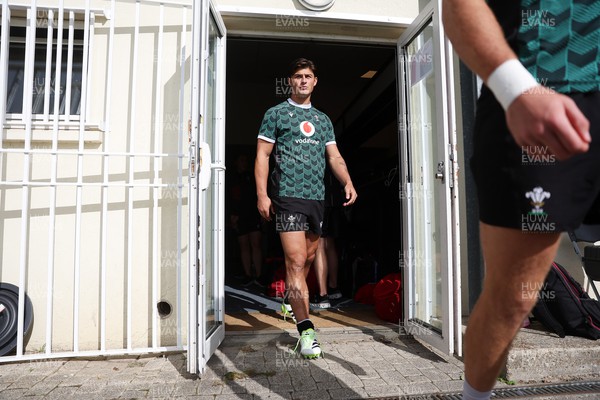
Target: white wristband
(510, 80)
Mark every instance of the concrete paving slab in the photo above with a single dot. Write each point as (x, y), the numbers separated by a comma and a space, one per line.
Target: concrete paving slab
(538, 356)
(357, 364)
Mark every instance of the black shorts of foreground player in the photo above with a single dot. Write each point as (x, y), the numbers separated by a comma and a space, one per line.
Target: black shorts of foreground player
(535, 163)
(528, 188)
(302, 141)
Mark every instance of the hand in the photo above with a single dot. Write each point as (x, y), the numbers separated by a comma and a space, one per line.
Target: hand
(545, 118)
(351, 194)
(265, 208)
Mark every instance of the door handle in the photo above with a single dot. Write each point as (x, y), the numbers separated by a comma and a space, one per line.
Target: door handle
(218, 166)
(204, 165)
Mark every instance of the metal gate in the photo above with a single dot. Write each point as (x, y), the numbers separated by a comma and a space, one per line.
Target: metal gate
(93, 175)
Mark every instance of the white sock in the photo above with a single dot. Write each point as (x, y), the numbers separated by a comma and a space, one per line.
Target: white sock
(472, 394)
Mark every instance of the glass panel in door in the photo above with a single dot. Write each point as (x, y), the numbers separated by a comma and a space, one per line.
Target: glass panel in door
(210, 195)
(427, 206)
(213, 214)
(427, 250)
(207, 143)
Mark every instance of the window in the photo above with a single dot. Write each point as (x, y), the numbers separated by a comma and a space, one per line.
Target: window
(16, 73)
(68, 91)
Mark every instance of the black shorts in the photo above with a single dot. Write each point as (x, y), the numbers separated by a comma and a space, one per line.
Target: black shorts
(248, 222)
(292, 214)
(528, 188)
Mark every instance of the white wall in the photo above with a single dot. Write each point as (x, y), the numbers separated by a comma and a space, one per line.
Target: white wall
(154, 123)
(373, 8)
(377, 21)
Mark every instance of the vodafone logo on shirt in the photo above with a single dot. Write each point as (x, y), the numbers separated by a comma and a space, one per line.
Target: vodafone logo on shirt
(307, 128)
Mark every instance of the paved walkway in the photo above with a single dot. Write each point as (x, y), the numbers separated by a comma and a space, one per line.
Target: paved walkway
(357, 364)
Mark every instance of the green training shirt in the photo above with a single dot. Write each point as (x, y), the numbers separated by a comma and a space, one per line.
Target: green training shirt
(558, 41)
(300, 134)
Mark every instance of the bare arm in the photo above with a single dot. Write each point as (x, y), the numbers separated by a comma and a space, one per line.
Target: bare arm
(476, 35)
(261, 174)
(340, 171)
(536, 118)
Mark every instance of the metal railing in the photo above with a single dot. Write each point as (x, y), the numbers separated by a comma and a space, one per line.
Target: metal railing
(123, 173)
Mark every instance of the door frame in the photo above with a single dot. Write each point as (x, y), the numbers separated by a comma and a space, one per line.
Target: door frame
(204, 170)
(450, 339)
(217, 167)
(198, 352)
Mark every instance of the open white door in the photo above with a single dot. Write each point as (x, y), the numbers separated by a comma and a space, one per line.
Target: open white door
(427, 148)
(206, 328)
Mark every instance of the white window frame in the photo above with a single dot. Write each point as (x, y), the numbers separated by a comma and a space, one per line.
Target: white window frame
(51, 18)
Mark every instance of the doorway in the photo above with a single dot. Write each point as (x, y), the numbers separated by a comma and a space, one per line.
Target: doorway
(357, 89)
(373, 94)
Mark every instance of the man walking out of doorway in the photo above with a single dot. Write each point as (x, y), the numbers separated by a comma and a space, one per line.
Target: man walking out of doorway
(535, 164)
(303, 140)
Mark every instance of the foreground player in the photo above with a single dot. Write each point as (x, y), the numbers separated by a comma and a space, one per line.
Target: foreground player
(303, 139)
(542, 82)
